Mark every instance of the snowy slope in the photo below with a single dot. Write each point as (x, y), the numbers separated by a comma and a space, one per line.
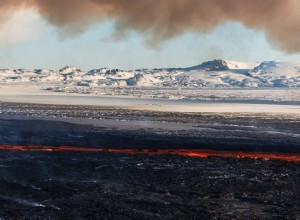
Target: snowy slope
(211, 74)
(277, 74)
(240, 65)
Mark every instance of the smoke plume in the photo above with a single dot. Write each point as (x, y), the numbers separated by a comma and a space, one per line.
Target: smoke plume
(164, 19)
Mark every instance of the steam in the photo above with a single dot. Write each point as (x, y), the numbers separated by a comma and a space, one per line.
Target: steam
(164, 19)
(26, 26)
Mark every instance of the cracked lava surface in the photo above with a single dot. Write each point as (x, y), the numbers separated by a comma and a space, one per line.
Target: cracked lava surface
(201, 153)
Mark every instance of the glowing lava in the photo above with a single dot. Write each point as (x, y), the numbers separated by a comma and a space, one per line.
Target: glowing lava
(290, 157)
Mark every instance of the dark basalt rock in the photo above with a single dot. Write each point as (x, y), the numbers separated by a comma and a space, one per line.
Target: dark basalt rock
(214, 65)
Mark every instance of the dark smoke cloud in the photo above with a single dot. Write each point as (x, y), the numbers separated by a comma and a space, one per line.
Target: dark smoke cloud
(164, 19)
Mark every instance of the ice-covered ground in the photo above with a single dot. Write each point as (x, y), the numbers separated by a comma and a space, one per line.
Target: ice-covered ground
(258, 95)
(234, 104)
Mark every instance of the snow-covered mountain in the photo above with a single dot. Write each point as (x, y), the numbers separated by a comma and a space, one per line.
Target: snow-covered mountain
(211, 74)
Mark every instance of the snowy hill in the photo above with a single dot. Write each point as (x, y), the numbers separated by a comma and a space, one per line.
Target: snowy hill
(211, 74)
(214, 65)
(277, 74)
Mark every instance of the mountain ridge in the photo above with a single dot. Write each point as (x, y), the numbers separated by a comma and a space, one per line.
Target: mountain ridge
(211, 74)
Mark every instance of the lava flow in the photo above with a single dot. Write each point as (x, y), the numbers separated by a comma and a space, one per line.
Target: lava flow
(201, 153)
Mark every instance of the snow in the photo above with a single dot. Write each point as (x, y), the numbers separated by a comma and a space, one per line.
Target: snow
(211, 80)
(240, 65)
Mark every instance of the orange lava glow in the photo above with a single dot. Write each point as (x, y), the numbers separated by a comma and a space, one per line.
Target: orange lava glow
(290, 157)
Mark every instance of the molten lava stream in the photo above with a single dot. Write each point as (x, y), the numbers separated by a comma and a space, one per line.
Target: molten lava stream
(290, 157)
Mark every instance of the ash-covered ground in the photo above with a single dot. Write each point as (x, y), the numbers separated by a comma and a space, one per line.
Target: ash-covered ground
(65, 185)
(103, 185)
(109, 127)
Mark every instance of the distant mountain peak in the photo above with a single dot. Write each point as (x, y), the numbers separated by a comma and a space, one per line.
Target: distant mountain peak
(69, 69)
(98, 71)
(213, 65)
(267, 65)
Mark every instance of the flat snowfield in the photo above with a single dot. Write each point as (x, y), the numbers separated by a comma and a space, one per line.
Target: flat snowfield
(232, 103)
